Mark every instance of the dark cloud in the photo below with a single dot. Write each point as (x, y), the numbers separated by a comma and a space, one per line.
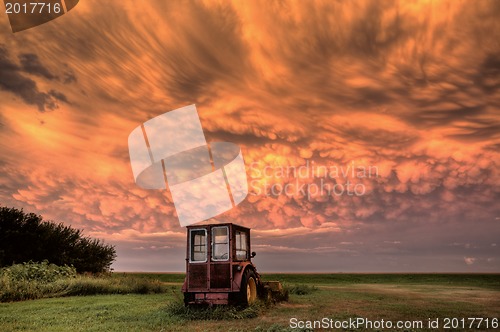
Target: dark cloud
(69, 77)
(434, 116)
(489, 73)
(379, 137)
(31, 64)
(14, 80)
(59, 96)
(478, 132)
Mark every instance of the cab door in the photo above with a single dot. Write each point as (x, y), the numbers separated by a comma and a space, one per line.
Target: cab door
(220, 264)
(197, 267)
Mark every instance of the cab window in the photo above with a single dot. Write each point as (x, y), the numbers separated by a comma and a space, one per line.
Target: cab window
(220, 243)
(241, 246)
(198, 245)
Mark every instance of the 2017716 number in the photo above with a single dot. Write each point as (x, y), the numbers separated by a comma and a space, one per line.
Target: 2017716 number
(32, 8)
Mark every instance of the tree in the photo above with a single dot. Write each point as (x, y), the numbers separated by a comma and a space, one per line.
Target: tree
(26, 236)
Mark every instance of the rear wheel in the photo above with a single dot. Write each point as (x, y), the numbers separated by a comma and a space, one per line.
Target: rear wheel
(248, 290)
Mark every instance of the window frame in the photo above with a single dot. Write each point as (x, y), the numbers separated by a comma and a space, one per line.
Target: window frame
(214, 243)
(191, 247)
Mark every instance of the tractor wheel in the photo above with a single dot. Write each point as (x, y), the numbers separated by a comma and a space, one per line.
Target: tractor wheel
(248, 290)
(188, 297)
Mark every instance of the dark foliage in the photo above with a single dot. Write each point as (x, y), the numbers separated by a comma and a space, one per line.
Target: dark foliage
(27, 237)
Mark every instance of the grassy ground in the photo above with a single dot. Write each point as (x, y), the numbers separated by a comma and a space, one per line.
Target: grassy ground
(337, 296)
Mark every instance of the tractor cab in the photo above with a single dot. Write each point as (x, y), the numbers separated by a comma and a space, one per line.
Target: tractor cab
(219, 269)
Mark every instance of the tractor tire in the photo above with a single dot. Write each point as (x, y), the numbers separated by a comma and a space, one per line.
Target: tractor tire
(188, 297)
(248, 289)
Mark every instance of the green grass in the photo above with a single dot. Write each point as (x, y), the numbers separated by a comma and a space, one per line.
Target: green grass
(391, 297)
(88, 313)
(491, 281)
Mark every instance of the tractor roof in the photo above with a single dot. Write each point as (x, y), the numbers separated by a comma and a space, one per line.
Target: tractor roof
(210, 224)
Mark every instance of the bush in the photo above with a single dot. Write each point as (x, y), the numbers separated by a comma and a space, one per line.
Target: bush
(31, 280)
(27, 237)
(39, 272)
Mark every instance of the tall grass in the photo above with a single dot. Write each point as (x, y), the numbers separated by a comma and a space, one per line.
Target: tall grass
(41, 280)
(300, 289)
(88, 285)
(216, 312)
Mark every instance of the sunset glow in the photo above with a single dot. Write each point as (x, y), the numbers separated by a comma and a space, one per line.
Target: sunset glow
(408, 89)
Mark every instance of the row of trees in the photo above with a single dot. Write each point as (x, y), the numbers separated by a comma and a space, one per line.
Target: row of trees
(26, 236)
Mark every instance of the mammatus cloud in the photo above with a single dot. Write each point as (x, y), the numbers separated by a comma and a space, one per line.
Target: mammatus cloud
(411, 88)
(204, 180)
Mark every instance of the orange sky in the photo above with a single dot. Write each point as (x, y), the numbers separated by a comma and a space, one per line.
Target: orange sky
(411, 88)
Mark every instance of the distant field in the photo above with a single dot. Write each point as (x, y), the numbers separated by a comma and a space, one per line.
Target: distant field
(491, 281)
(337, 296)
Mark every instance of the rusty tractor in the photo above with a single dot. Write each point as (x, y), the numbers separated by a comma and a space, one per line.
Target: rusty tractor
(219, 269)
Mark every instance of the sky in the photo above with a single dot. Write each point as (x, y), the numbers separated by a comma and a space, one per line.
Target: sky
(405, 93)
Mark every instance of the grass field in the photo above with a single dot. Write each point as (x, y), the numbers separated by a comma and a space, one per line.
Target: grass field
(394, 297)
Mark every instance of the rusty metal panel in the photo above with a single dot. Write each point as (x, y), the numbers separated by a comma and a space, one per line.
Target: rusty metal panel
(236, 278)
(211, 298)
(198, 276)
(220, 276)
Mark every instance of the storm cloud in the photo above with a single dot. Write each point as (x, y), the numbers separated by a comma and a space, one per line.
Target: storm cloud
(14, 79)
(409, 88)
